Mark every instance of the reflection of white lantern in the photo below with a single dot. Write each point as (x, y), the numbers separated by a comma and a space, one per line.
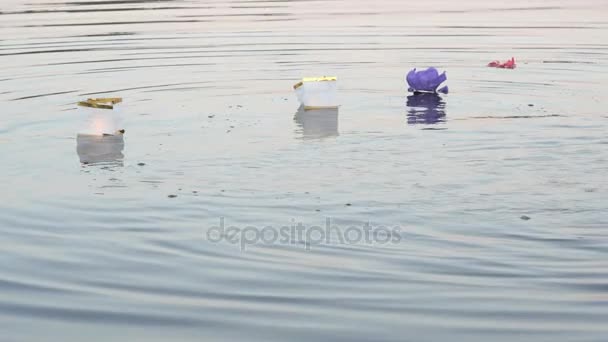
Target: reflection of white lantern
(103, 116)
(317, 92)
(317, 124)
(94, 149)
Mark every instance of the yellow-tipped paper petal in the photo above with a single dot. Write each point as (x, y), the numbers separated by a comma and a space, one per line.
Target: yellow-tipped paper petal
(101, 103)
(314, 79)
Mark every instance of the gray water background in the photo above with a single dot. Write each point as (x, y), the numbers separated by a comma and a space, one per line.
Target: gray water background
(100, 252)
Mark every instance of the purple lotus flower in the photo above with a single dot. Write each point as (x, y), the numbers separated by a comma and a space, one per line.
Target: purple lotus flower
(426, 81)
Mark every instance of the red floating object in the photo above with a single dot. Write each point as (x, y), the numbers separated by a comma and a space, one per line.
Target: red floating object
(510, 64)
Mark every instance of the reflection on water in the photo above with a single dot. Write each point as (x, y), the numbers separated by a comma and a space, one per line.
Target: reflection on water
(209, 110)
(318, 123)
(425, 108)
(96, 149)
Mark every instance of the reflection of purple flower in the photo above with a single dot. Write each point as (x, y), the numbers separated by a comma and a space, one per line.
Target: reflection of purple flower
(425, 108)
(426, 81)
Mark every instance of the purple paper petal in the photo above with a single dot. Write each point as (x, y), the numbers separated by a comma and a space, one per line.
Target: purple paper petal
(430, 73)
(436, 82)
(412, 79)
(427, 80)
(444, 90)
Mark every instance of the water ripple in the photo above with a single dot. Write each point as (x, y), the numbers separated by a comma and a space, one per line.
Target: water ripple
(496, 191)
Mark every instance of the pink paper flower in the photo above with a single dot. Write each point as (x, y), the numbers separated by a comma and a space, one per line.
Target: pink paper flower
(510, 64)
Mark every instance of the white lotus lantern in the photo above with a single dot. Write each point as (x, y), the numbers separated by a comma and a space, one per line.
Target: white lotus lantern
(103, 116)
(317, 92)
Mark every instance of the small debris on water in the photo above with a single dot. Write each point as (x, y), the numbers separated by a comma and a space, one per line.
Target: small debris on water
(141, 164)
(348, 204)
(530, 105)
(172, 196)
(525, 218)
(211, 116)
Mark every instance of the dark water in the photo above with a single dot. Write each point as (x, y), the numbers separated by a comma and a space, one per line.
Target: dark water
(499, 188)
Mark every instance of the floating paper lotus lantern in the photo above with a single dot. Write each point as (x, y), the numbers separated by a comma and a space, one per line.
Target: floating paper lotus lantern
(101, 138)
(426, 81)
(317, 92)
(103, 116)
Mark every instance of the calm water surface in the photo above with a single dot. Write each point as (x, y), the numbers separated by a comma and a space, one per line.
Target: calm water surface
(97, 251)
